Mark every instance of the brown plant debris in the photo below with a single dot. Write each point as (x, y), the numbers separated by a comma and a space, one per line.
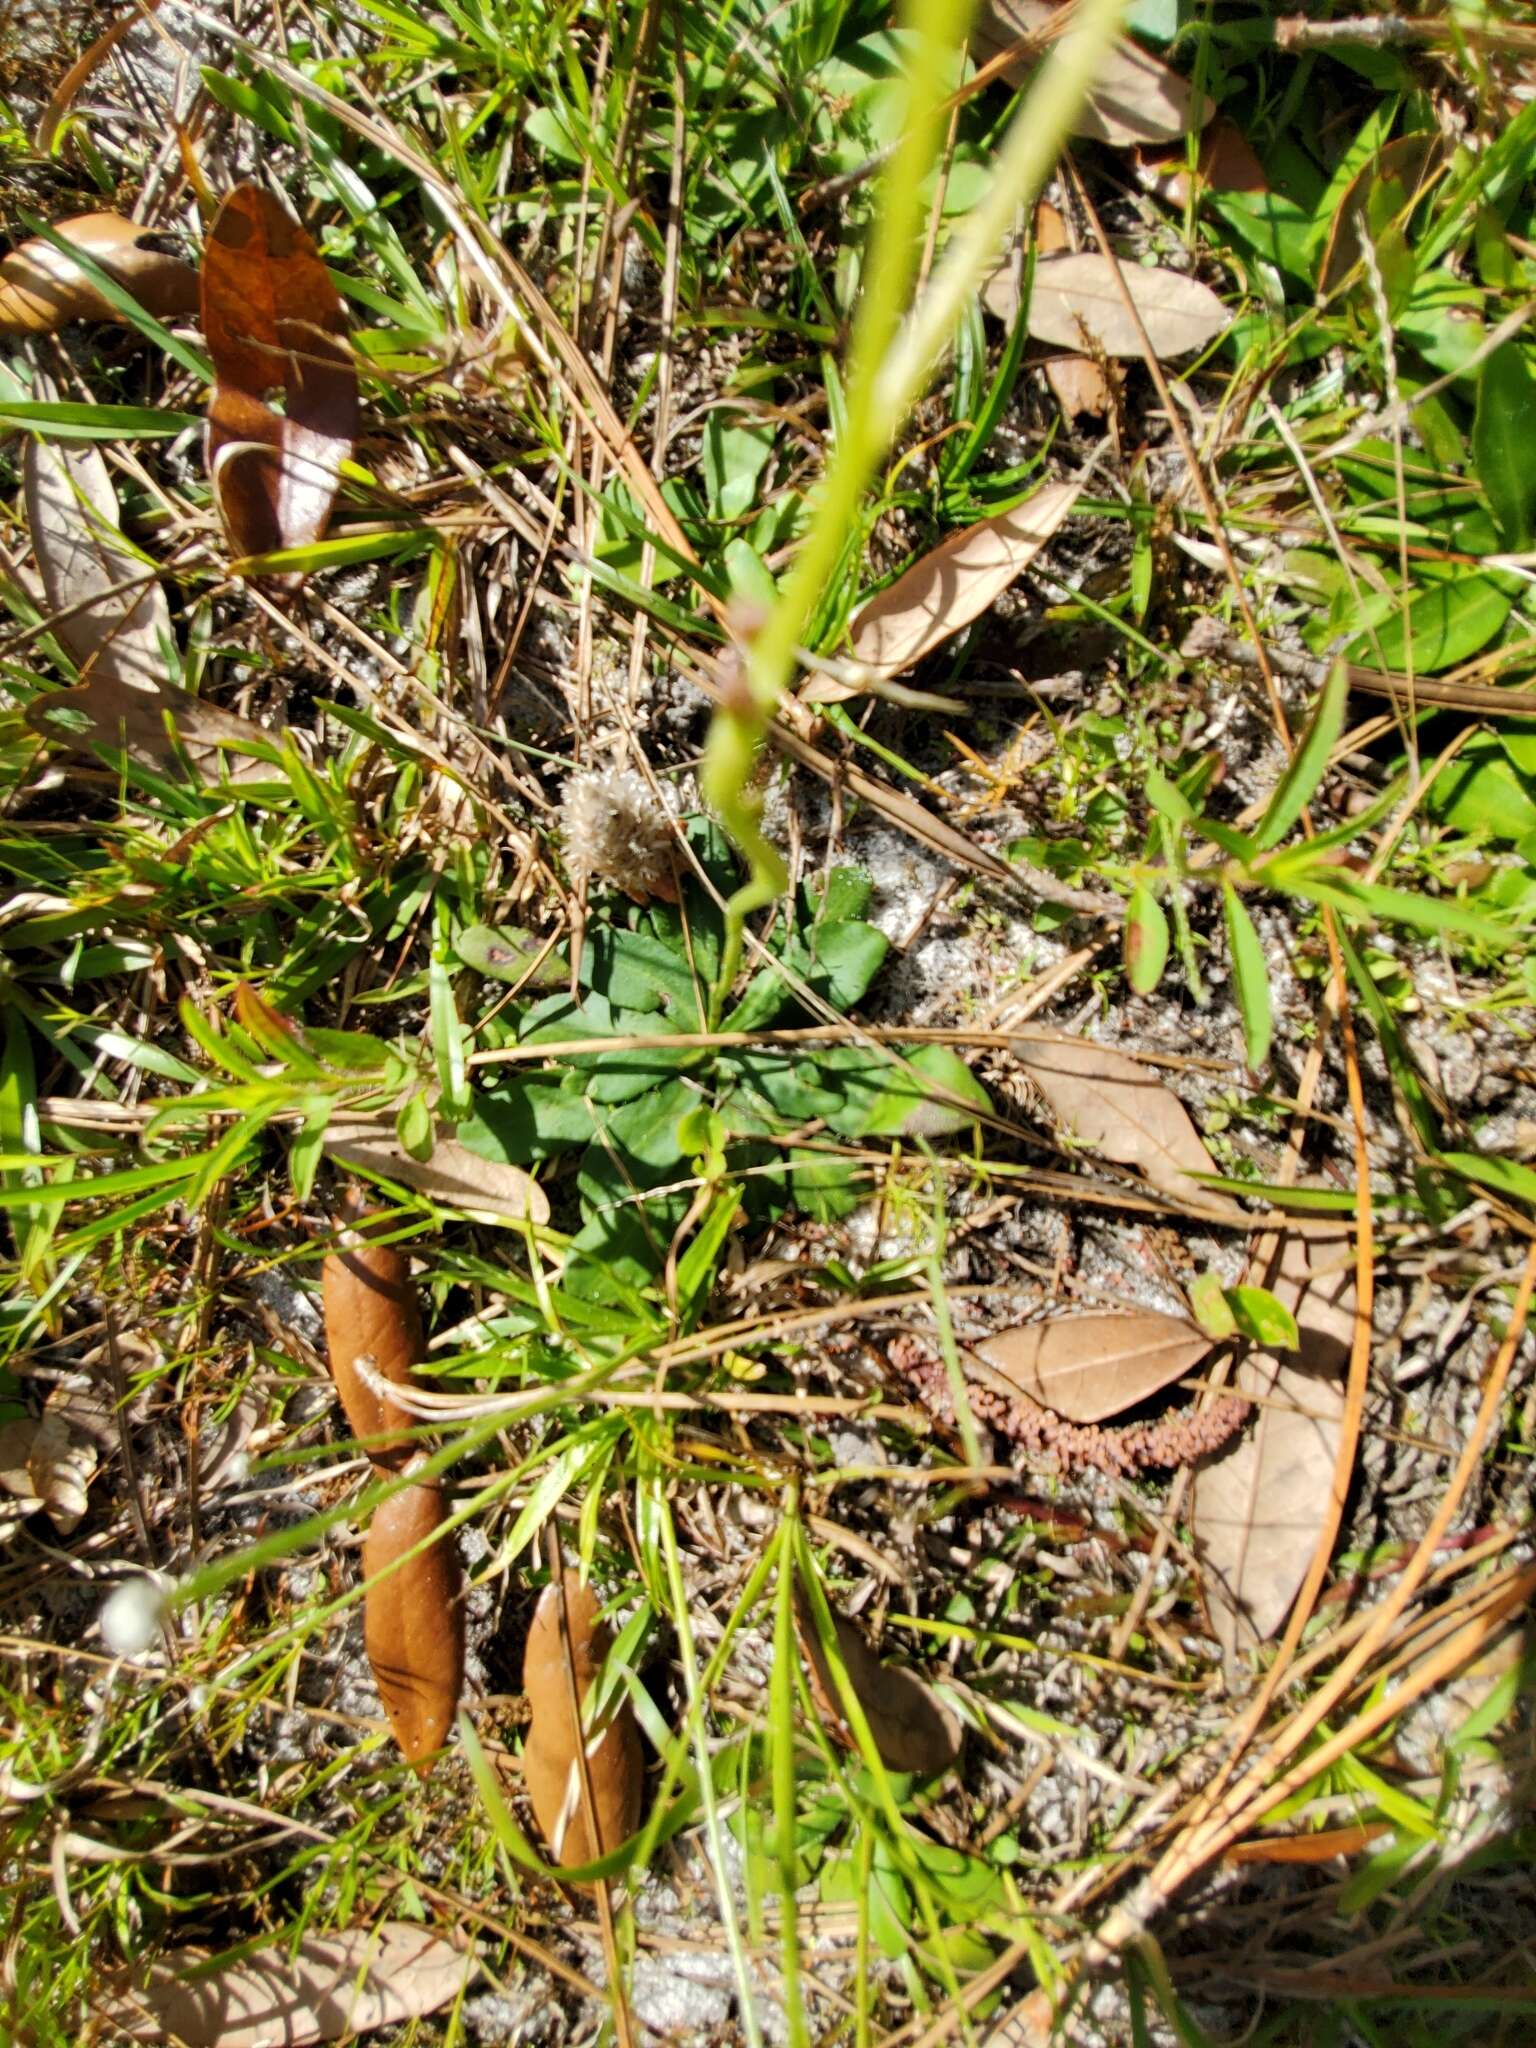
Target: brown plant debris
(1174, 1439)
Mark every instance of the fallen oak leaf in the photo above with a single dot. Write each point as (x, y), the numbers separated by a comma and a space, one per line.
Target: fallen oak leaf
(1078, 383)
(44, 1465)
(273, 321)
(486, 1189)
(329, 1987)
(1135, 97)
(413, 1621)
(914, 1730)
(1259, 1502)
(950, 586)
(42, 290)
(611, 1740)
(112, 613)
(112, 616)
(1086, 1367)
(1075, 304)
(1115, 1104)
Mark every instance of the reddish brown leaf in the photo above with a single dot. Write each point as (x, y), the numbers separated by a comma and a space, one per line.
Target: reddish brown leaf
(1385, 188)
(273, 321)
(615, 1768)
(1226, 164)
(913, 1729)
(413, 1622)
(1259, 1503)
(41, 290)
(1088, 1366)
(373, 1317)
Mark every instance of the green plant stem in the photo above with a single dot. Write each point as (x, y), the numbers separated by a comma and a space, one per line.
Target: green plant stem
(890, 363)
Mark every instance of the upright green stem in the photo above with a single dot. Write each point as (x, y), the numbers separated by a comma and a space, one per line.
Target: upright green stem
(890, 363)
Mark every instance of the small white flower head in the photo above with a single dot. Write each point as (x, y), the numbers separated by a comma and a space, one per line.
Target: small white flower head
(616, 831)
(132, 1614)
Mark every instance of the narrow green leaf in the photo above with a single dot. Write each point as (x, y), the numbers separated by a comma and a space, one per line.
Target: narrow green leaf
(1250, 977)
(1167, 797)
(1505, 1177)
(1503, 436)
(1300, 781)
(62, 421)
(1400, 906)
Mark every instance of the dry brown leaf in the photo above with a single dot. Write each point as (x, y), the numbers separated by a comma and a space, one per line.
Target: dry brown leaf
(1029, 2024)
(1078, 383)
(1409, 163)
(45, 1465)
(372, 1314)
(333, 1987)
(113, 618)
(413, 1622)
(133, 722)
(1089, 1366)
(18, 1492)
(962, 577)
(1226, 164)
(615, 1768)
(1074, 304)
(1111, 1102)
(1135, 97)
(1259, 1503)
(1080, 386)
(912, 1727)
(41, 290)
(485, 1189)
(273, 321)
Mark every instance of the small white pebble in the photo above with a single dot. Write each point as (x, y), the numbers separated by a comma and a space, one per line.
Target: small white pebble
(131, 1617)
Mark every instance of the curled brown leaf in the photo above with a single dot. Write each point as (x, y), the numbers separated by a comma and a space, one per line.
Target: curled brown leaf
(42, 290)
(413, 1621)
(615, 1770)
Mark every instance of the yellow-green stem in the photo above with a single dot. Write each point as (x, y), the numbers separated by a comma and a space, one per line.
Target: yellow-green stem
(890, 363)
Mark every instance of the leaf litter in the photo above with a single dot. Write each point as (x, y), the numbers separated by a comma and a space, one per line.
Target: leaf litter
(1260, 1502)
(1116, 1105)
(1086, 1367)
(1075, 303)
(1135, 97)
(326, 1987)
(274, 321)
(110, 611)
(1181, 1182)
